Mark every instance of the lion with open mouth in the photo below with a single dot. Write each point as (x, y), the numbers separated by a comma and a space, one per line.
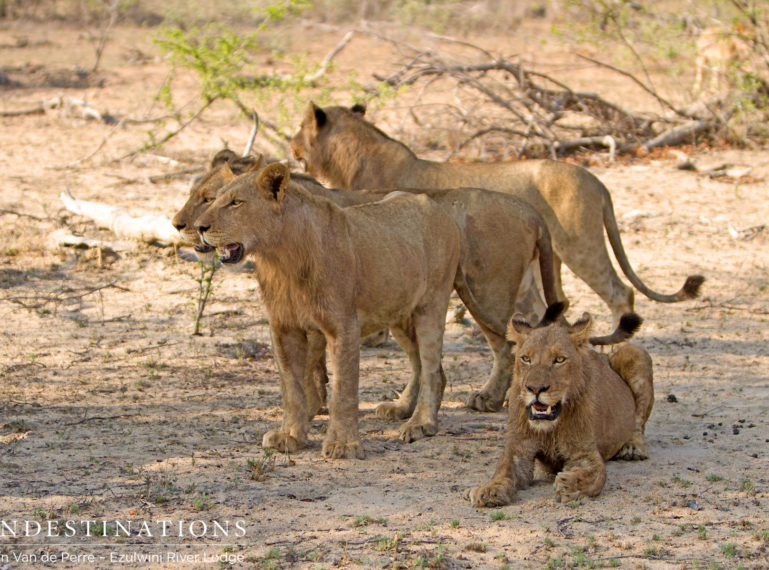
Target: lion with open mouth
(570, 409)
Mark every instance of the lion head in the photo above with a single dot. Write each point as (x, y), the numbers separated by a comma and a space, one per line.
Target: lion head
(548, 374)
(225, 166)
(246, 216)
(330, 131)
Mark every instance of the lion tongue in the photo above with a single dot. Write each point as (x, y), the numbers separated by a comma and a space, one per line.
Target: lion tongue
(541, 408)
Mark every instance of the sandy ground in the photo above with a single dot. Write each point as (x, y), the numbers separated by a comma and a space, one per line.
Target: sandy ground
(112, 412)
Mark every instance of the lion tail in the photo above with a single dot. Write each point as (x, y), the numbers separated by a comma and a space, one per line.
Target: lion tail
(691, 287)
(478, 313)
(629, 323)
(546, 270)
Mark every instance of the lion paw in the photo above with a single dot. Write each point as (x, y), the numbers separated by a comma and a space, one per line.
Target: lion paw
(634, 450)
(392, 411)
(281, 441)
(484, 402)
(569, 486)
(412, 431)
(493, 494)
(343, 450)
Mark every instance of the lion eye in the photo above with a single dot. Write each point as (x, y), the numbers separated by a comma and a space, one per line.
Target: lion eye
(559, 359)
(236, 203)
(525, 358)
(207, 200)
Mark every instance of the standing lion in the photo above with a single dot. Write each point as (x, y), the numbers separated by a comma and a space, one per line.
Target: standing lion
(342, 273)
(344, 150)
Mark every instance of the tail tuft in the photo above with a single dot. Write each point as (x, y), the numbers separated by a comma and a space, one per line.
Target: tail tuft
(552, 313)
(691, 288)
(629, 323)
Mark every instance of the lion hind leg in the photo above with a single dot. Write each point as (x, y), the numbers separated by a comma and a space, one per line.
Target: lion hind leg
(634, 366)
(428, 327)
(492, 395)
(403, 407)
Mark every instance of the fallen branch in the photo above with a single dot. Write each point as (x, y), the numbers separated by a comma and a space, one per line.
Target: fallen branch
(678, 134)
(148, 228)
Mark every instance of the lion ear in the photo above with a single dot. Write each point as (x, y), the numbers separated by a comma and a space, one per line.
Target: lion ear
(518, 329)
(223, 157)
(316, 115)
(580, 331)
(358, 109)
(226, 173)
(251, 163)
(273, 180)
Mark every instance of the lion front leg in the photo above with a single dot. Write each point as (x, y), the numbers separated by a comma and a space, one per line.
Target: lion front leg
(290, 345)
(515, 470)
(342, 439)
(582, 478)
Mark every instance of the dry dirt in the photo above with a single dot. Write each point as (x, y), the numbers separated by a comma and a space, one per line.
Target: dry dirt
(113, 412)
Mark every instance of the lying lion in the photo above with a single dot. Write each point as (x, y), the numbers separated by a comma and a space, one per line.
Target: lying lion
(344, 150)
(345, 272)
(571, 410)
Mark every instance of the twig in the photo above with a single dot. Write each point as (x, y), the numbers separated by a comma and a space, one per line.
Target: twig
(638, 82)
(93, 153)
(170, 135)
(33, 111)
(21, 215)
(207, 270)
(44, 300)
(252, 134)
(329, 58)
(99, 418)
(154, 179)
(153, 347)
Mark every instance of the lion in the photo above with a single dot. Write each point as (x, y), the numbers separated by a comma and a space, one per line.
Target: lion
(224, 168)
(341, 148)
(570, 410)
(344, 272)
(720, 51)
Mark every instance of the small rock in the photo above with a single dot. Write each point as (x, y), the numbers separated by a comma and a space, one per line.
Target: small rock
(672, 398)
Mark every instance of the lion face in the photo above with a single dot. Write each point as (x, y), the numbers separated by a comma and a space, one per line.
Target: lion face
(246, 216)
(548, 368)
(225, 166)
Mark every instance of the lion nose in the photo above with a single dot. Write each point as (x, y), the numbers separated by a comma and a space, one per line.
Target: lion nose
(202, 229)
(180, 227)
(537, 389)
